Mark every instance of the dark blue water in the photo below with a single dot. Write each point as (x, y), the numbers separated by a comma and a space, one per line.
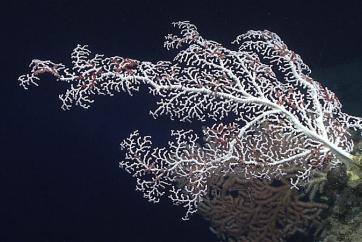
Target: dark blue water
(59, 175)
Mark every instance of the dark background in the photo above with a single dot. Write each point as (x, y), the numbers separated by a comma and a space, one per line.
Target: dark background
(59, 175)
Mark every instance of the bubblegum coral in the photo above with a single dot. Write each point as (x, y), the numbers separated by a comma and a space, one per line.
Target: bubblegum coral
(283, 121)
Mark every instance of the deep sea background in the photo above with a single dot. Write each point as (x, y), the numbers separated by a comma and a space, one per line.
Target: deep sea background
(59, 175)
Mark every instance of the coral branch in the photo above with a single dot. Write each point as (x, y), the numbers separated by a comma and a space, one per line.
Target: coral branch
(284, 122)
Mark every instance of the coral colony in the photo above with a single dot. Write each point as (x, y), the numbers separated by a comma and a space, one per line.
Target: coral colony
(284, 124)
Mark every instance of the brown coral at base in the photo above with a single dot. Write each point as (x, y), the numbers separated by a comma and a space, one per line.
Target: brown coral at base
(257, 211)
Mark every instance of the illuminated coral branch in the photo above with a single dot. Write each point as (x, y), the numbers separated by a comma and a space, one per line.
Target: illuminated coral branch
(284, 121)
